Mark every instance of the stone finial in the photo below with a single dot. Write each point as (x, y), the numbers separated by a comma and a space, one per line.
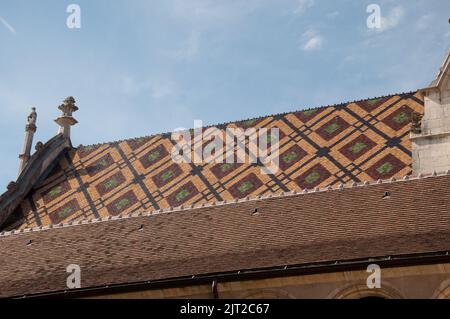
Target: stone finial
(68, 107)
(39, 146)
(11, 186)
(30, 129)
(65, 120)
(416, 123)
(32, 118)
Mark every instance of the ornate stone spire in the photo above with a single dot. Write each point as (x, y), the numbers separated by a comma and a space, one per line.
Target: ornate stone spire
(65, 121)
(30, 129)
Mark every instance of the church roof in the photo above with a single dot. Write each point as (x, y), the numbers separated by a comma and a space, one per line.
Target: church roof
(350, 142)
(282, 232)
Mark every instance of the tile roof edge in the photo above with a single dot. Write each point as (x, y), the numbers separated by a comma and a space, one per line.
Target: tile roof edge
(230, 202)
(35, 169)
(253, 118)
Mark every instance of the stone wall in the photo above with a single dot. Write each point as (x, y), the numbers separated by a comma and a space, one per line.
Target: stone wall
(419, 281)
(431, 148)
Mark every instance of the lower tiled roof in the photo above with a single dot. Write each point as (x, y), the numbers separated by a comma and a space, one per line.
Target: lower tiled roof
(363, 140)
(353, 222)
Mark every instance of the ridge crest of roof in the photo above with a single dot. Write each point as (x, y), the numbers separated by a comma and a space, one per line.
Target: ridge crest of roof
(252, 118)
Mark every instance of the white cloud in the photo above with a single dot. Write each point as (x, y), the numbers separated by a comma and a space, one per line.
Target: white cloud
(157, 89)
(200, 17)
(196, 9)
(189, 49)
(7, 26)
(424, 22)
(333, 14)
(392, 19)
(312, 40)
(207, 12)
(130, 86)
(309, 33)
(161, 90)
(313, 43)
(303, 5)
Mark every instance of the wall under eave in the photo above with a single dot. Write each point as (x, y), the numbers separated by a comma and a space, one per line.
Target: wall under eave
(409, 282)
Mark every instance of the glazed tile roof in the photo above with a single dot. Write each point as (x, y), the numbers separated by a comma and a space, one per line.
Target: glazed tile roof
(292, 229)
(357, 141)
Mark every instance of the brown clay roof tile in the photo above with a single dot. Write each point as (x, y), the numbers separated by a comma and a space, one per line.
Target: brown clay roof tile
(328, 225)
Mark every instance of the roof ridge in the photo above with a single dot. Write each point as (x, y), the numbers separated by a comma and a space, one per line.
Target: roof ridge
(251, 118)
(184, 208)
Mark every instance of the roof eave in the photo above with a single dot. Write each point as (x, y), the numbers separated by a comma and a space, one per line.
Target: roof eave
(251, 274)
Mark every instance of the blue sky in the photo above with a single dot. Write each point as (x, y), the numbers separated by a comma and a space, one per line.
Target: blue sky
(141, 67)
